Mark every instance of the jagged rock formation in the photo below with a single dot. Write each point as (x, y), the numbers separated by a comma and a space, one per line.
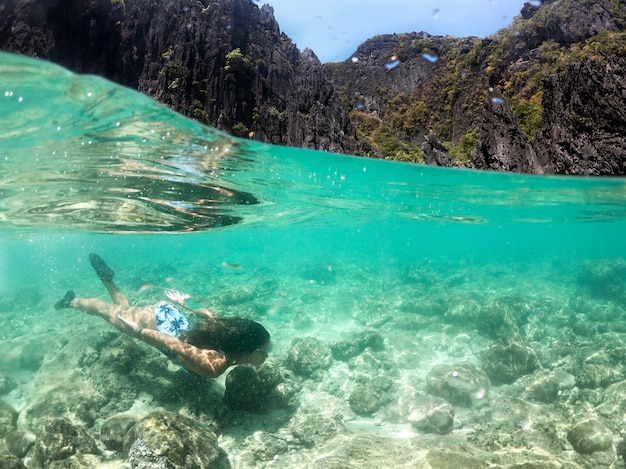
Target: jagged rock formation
(224, 63)
(402, 87)
(585, 123)
(543, 96)
(435, 153)
(503, 145)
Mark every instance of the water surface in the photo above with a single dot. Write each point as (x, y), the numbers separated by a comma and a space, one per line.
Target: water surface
(308, 243)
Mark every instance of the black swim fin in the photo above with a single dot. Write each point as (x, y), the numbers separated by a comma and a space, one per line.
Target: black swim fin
(65, 302)
(104, 272)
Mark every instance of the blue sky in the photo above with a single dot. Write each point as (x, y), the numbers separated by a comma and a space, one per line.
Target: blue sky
(335, 28)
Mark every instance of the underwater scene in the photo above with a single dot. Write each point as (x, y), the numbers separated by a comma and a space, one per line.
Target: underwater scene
(420, 317)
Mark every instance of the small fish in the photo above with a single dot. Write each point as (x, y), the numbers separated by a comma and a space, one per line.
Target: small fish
(230, 265)
(144, 288)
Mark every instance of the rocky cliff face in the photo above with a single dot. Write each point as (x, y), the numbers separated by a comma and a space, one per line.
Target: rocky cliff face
(584, 129)
(543, 96)
(224, 62)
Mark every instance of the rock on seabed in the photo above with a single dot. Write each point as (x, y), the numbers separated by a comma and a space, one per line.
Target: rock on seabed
(590, 435)
(174, 439)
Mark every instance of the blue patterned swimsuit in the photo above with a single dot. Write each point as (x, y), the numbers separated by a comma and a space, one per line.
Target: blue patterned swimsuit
(170, 320)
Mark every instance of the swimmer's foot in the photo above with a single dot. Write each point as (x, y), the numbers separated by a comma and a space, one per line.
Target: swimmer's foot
(103, 271)
(65, 302)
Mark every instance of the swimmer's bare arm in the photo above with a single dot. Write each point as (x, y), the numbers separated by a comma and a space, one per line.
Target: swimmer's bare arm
(202, 312)
(179, 298)
(203, 362)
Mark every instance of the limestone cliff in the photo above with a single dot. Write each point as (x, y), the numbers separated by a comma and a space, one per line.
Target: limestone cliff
(223, 62)
(546, 95)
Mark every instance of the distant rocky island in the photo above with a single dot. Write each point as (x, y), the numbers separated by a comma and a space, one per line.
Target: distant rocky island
(545, 95)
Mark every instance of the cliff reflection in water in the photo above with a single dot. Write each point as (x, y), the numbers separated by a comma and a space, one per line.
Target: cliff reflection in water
(79, 153)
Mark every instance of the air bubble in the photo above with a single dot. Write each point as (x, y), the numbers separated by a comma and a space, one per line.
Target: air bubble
(536, 3)
(431, 57)
(494, 96)
(354, 60)
(393, 64)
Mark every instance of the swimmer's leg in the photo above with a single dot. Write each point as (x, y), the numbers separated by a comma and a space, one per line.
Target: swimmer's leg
(143, 316)
(97, 307)
(93, 306)
(105, 274)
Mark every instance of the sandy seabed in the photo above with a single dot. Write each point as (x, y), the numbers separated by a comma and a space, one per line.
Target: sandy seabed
(405, 366)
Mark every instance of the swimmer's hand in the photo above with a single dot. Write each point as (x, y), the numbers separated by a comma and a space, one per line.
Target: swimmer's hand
(179, 298)
(128, 326)
(205, 313)
(176, 296)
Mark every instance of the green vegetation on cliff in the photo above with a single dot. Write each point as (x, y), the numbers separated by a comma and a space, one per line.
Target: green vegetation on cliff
(441, 83)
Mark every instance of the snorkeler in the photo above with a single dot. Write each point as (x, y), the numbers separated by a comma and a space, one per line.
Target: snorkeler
(207, 350)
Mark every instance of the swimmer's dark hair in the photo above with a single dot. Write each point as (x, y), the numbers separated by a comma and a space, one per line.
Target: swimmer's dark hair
(233, 336)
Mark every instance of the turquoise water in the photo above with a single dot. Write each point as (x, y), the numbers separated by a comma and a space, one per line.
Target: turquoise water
(86, 165)
(308, 243)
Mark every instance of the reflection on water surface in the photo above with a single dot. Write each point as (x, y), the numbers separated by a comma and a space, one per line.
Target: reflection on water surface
(80, 153)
